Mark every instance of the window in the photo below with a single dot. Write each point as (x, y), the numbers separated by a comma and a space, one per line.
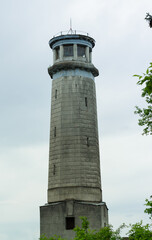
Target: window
(81, 51)
(54, 131)
(86, 101)
(56, 93)
(57, 53)
(54, 169)
(68, 50)
(70, 223)
(87, 141)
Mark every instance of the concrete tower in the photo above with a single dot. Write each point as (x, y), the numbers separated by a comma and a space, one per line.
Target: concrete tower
(74, 184)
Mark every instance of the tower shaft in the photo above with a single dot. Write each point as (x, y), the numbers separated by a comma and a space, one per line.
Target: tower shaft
(74, 167)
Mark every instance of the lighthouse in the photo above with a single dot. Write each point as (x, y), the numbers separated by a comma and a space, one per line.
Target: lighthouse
(74, 180)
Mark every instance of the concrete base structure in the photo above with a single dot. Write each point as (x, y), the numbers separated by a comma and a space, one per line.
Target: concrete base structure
(60, 218)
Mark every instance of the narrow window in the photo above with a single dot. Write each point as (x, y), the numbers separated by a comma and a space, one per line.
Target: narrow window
(54, 131)
(56, 93)
(87, 141)
(70, 223)
(54, 169)
(81, 51)
(86, 101)
(104, 224)
(57, 53)
(68, 50)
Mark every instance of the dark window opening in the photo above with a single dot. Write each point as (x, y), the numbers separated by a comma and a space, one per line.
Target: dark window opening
(68, 50)
(86, 101)
(81, 51)
(57, 53)
(56, 94)
(54, 169)
(70, 223)
(104, 224)
(87, 141)
(55, 132)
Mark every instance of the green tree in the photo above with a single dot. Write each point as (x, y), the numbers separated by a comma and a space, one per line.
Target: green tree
(83, 232)
(138, 231)
(149, 207)
(145, 114)
(43, 237)
(106, 233)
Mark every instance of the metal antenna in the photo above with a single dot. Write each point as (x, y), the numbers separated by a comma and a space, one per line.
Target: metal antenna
(70, 24)
(71, 31)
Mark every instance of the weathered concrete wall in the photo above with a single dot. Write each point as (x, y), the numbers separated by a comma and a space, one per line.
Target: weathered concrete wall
(74, 165)
(53, 217)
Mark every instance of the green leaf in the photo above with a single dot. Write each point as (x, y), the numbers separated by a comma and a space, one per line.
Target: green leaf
(137, 76)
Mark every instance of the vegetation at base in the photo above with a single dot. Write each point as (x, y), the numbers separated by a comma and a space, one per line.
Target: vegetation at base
(145, 114)
(55, 237)
(106, 233)
(139, 231)
(148, 204)
(136, 231)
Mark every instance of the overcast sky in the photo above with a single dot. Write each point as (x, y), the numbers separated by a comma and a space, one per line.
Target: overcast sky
(123, 48)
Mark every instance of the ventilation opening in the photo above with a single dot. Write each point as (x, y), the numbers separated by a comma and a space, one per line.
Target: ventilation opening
(70, 223)
(55, 132)
(56, 93)
(86, 101)
(54, 169)
(87, 141)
